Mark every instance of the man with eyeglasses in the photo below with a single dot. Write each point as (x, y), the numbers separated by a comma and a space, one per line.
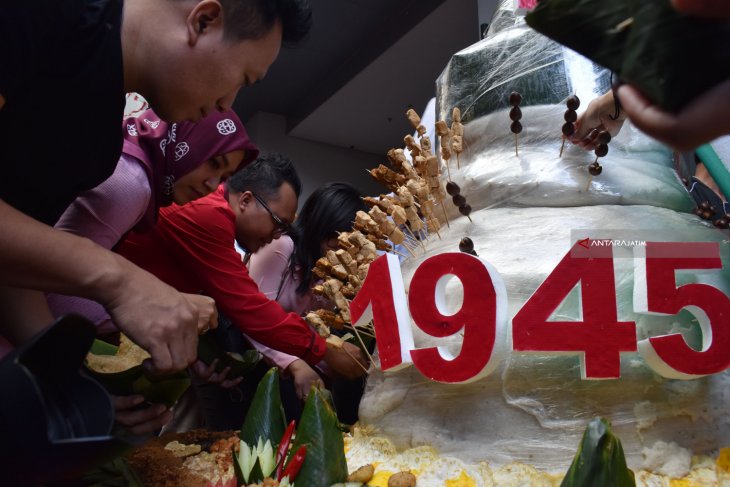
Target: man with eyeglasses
(192, 249)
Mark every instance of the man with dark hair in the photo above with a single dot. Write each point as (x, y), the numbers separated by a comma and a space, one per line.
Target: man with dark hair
(192, 249)
(187, 58)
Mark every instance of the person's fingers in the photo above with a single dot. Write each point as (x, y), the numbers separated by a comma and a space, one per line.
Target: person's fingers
(702, 120)
(203, 370)
(231, 383)
(213, 320)
(127, 402)
(219, 377)
(188, 347)
(717, 9)
(147, 420)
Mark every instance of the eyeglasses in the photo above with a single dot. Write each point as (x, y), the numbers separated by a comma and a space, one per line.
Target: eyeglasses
(282, 227)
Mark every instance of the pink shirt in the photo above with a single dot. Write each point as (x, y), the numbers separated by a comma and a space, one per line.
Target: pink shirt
(269, 267)
(104, 214)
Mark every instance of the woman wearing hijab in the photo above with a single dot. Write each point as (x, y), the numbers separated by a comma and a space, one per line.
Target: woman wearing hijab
(161, 164)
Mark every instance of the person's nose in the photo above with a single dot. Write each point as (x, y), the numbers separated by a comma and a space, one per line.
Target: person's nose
(212, 183)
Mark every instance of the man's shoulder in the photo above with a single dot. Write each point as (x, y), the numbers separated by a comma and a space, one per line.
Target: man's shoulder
(208, 212)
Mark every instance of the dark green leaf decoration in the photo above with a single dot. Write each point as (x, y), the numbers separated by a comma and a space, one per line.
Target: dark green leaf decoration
(237, 470)
(265, 418)
(600, 460)
(318, 429)
(671, 57)
(209, 350)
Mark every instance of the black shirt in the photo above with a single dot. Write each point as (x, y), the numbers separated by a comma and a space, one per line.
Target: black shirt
(62, 79)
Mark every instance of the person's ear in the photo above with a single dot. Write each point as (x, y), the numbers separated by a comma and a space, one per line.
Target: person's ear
(244, 200)
(205, 17)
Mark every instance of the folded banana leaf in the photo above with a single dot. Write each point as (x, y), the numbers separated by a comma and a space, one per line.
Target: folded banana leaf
(265, 417)
(671, 57)
(318, 429)
(600, 460)
(134, 380)
(209, 350)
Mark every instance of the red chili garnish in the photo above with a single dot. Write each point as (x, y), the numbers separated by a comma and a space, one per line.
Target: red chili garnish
(295, 464)
(283, 448)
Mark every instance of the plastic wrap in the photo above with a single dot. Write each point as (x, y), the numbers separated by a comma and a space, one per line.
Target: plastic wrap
(637, 170)
(513, 57)
(528, 211)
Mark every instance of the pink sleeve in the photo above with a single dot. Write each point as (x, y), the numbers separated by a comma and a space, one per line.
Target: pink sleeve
(268, 265)
(104, 214)
(280, 359)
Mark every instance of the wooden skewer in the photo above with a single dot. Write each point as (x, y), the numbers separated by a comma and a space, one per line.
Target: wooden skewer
(361, 331)
(409, 249)
(398, 253)
(441, 201)
(448, 169)
(357, 334)
(562, 147)
(517, 141)
(458, 163)
(356, 360)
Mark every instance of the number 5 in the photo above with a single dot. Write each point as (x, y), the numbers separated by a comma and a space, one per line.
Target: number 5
(656, 292)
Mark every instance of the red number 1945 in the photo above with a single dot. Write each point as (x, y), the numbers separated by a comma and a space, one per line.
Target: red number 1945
(598, 339)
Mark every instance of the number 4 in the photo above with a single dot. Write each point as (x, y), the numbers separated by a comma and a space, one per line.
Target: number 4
(600, 337)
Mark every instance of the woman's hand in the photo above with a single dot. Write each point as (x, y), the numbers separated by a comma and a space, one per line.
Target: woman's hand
(597, 117)
(304, 378)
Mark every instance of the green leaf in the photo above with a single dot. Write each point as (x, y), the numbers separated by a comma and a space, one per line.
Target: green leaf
(265, 417)
(325, 463)
(209, 350)
(671, 57)
(240, 478)
(600, 460)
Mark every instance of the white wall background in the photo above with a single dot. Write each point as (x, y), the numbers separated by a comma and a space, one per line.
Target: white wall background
(316, 163)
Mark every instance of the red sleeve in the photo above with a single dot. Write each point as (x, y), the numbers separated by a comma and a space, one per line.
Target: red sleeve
(201, 236)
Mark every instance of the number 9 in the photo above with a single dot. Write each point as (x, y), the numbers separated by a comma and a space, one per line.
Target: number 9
(482, 316)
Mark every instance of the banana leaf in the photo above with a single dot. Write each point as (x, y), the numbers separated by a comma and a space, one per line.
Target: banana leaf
(325, 463)
(209, 350)
(671, 57)
(600, 460)
(158, 390)
(265, 417)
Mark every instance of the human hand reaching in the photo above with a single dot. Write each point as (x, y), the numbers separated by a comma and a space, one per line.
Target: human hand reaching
(304, 378)
(207, 373)
(704, 119)
(346, 360)
(207, 312)
(156, 317)
(599, 115)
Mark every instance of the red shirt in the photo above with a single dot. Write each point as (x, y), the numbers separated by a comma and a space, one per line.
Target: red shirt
(192, 249)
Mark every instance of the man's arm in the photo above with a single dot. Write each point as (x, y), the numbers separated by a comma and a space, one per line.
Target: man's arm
(704, 119)
(201, 240)
(154, 315)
